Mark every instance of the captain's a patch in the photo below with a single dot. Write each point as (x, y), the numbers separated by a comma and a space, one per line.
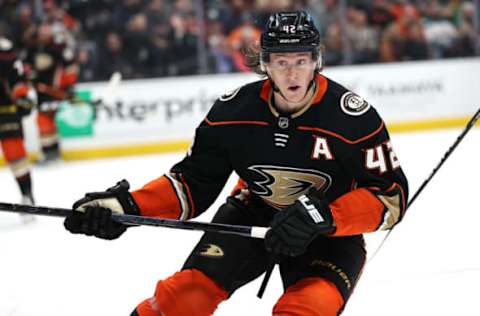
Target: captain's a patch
(352, 104)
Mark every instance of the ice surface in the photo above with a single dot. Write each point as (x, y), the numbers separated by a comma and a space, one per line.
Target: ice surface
(429, 266)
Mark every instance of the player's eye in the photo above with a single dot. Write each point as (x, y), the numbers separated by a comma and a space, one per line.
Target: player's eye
(282, 63)
(302, 62)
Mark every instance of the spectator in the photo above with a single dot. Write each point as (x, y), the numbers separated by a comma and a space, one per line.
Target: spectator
(112, 58)
(363, 37)
(125, 10)
(326, 13)
(467, 35)
(160, 37)
(183, 40)
(87, 62)
(405, 38)
(138, 48)
(415, 46)
(22, 24)
(242, 37)
(380, 14)
(333, 45)
(159, 29)
(219, 48)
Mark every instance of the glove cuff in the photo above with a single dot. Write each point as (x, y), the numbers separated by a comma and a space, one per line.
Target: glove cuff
(125, 198)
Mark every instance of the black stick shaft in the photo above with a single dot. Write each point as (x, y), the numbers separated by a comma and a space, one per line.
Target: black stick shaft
(467, 128)
(266, 278)
(460, 137)
(246, 231)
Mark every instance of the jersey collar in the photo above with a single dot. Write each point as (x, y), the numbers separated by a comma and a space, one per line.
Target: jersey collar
(321, 87)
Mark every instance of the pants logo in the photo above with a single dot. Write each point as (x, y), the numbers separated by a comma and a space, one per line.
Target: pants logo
(211, 250)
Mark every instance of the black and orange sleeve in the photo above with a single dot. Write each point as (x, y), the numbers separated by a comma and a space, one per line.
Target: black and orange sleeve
(158, 198)
(378, 199)
(193, 184)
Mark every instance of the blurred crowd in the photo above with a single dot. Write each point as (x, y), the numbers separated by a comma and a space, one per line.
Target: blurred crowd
(154, 38)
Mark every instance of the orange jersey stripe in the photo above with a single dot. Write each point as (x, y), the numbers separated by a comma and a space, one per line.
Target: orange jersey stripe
(158, 198)
(357, 212)
(348, 141)
(234, 122)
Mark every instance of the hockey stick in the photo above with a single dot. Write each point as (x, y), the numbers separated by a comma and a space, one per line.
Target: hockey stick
(107, 94)
(460, 137)
(245, 231)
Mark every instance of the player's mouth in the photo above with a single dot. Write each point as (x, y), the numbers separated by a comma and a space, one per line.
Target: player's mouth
(293, 88)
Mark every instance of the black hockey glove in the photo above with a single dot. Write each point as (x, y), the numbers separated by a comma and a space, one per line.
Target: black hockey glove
(296, 226)
(92, 214)
(24, 105)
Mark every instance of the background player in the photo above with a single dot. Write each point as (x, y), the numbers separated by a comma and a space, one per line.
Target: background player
(16, 101)
(316, 165)
(50, 55)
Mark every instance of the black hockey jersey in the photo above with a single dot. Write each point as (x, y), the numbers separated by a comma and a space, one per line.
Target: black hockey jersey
(53, 69)
(12, 85)
(11, 71)
(337, 144)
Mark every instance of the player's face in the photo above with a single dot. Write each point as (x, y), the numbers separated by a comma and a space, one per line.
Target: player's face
(292, 73)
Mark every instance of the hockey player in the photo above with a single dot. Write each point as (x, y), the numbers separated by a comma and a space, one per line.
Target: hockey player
(16, 101)
(54, 71)
(316, 166)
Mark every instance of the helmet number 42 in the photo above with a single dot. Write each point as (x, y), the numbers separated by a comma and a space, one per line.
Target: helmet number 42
(289, 29)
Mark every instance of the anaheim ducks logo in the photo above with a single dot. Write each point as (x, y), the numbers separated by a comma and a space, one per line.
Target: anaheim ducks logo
(43, 61)
(281, 186)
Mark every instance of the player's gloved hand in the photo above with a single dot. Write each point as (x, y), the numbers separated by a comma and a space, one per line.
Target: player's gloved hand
(25, 98)
(296, 226)
(24, 106)
(92, 214)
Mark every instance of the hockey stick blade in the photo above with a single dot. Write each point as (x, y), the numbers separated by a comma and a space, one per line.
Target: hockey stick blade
(132, 220)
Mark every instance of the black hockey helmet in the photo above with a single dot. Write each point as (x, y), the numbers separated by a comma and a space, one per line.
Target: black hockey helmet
(290, 32)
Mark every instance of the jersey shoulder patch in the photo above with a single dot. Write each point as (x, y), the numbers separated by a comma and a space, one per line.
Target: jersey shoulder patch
(238, 104)
(352, 104)
(249, 90)
(229, 95)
